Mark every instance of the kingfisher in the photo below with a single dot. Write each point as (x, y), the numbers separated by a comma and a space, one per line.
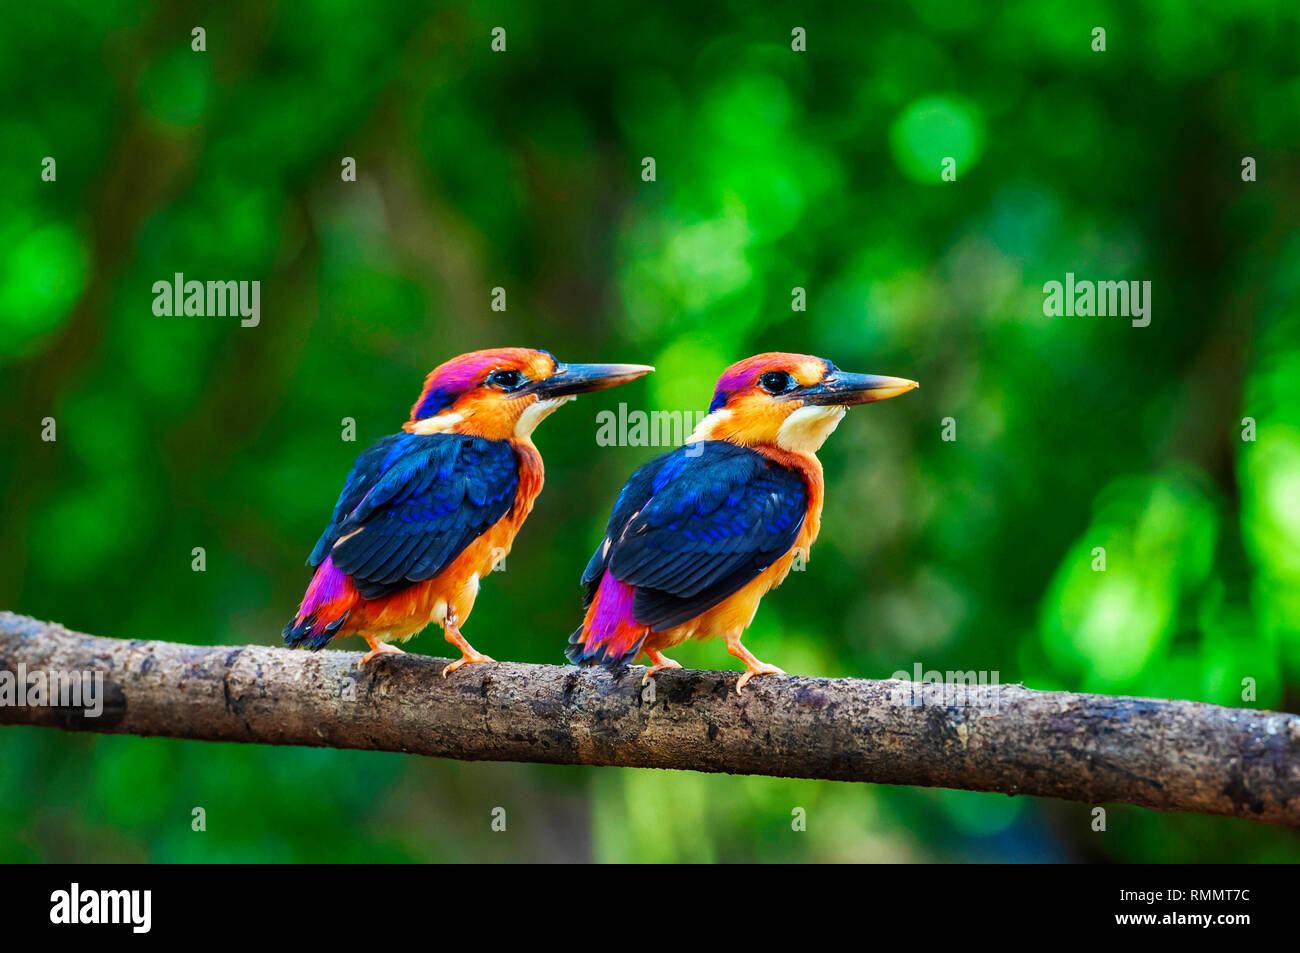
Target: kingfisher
(700, 534)
(426, 513)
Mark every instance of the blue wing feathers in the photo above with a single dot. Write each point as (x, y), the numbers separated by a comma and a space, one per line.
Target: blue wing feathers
(696, 525)
(411, 505)
(639, 488)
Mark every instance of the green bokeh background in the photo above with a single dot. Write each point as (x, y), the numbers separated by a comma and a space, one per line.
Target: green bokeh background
(775, 169)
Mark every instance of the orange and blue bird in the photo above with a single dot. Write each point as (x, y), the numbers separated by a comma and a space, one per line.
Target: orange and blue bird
(700, 534)
(425, 514)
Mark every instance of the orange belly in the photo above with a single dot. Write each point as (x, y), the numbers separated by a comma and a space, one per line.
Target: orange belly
(397, 617)
(731, 616)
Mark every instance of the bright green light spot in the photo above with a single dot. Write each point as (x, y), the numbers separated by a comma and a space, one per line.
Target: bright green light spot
(933, 129)
(687, 371)
(39, 283)
(706, 261)
(1272, 498)
(1120, 627)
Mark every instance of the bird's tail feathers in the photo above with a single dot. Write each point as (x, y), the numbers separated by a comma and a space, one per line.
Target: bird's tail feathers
(609, 635)
(324, 609)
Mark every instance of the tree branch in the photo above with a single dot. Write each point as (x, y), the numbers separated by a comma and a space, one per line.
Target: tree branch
(1166, 755)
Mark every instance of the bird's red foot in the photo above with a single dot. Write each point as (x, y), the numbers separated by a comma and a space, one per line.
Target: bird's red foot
(379, 648)
(475, 657)
(467, 652)
(752, 665)
(659, 664)
(762, 668)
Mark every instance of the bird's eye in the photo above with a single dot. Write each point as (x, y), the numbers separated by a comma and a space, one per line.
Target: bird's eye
(776, 382)
(506, 380)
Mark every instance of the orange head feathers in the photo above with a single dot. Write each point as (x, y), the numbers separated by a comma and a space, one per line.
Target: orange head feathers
(503, 393)
(790, 401)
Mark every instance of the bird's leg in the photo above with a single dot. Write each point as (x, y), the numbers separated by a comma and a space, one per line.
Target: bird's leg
(378, 648)
(752, 665)
(451, 629)
(659, 664)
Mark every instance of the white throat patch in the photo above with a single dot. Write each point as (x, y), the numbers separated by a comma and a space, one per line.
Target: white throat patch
(808, 427)
(535, 413)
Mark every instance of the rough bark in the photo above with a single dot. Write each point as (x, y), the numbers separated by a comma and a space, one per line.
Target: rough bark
(1166, 755)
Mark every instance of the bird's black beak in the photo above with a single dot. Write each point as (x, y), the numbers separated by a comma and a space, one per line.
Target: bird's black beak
(570, 379)
(845, 390)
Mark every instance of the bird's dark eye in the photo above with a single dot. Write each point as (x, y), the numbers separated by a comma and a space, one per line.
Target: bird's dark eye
(776, 382)
(507, 380)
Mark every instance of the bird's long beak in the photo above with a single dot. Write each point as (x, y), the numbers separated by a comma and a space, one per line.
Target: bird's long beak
(845, 390)
(582, 378)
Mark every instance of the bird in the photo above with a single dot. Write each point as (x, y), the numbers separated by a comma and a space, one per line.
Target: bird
(701, 533)
(426, 513)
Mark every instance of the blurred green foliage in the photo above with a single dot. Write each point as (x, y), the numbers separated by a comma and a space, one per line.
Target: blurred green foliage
(775, 169)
